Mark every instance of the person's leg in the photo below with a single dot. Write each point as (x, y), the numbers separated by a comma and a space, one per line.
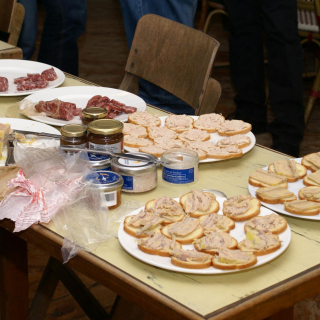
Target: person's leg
(28, 34)
(65, 22)
(285, 72)
(182, 11)
(246, 60)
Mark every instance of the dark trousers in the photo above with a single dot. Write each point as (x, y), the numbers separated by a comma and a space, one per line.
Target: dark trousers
(248, 20)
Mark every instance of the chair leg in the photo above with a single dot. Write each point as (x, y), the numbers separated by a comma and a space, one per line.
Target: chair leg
(314, 94)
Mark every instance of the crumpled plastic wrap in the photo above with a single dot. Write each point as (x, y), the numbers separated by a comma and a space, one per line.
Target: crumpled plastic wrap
(52, 185)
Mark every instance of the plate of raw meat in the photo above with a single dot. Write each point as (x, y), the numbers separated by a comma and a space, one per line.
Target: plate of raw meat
(22, 77)
(64, 105)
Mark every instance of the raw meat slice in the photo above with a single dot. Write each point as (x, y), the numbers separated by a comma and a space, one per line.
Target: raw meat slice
(57, 109)
(4, 84)
(49, 75)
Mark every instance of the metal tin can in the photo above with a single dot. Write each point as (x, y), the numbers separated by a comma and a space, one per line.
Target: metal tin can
(99, 161)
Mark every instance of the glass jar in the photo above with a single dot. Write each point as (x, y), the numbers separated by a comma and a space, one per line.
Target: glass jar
(99, 161)
(74, 135)
(182, 167)
(106, 134)
(110, 183)
(138, 176)
(93, 113)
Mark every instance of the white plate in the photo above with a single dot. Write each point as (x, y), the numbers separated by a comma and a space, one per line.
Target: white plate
(214, 137)
(129, 244)
(12, 69)
(23, 124)
(292, 186)
(80, 96)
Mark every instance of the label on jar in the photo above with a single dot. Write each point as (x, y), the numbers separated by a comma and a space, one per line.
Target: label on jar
(110, 198)
(115, 147)
(127, 182)
(178, 176)
(102, 177)
(97, 157)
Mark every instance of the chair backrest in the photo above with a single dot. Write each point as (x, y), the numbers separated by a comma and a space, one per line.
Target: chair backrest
(173, 56)
(11, 19)
(308, 16)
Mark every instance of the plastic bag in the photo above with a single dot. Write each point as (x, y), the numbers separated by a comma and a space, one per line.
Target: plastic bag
(52, 185)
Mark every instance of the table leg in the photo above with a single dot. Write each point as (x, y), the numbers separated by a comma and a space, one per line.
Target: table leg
(284, 314)
(14, 302)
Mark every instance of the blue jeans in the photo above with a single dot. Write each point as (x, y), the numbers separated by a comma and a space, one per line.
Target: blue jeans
(64, 23)
(182, 11)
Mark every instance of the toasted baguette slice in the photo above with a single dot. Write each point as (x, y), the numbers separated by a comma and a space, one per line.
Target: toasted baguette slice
(193, 146)
(241, 208)
(135, 142)
(233, 260)
(214, 241)
(302, 207)
(144, 118)
(155, 150)
(190, 259)
(286, 168)
(179, 123)
(134, 130)
(263, 178)
(259, 242)
(270, 223)
(161, 132)
(139, 232)
(310, 193)
(224, 153)
(233, 127)
(239, 140)
(167, 208)
(216, 222)
(197, 203)
(185, 237)
(312, 179)
(274, 195)
(311, 161)
(194, 135)
(167, 143)
(209, 122)
(158, 244)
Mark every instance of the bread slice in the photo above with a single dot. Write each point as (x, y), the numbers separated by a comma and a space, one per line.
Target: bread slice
(311, 161)
(167, 143)
(155, 150)
(263, 178)
(241, 208)
(161, 132)
(259, 242)
(233, 127)
(233, 260)
(158, 244)
(135, 142)
(142, 231)
(190, 259)
(192, 146)
(270, 223)
(239, 140)
(209, 122)
(197, 203)
(134, 130)
(167, 208)
(214, 241)
(302, 207)
(194, 135)
(216, 222)
(310, 193)
(187, 234)
(288, 168)
(312, 179)
(144, 119)
(179, 123)
(224, 153)
(274, 195)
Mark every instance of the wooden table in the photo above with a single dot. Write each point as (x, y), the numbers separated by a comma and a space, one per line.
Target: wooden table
(251, 294)
(7, 51)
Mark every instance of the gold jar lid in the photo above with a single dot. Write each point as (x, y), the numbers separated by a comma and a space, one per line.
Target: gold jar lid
(74, 130)
(105, 126)
(94, 113)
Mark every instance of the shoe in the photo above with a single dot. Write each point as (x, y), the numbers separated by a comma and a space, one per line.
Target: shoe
(287, 149)
(257, 126)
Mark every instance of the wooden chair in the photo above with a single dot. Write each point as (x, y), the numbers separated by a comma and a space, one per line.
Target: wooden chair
(176, 58)
(11, 19)
(308, 26)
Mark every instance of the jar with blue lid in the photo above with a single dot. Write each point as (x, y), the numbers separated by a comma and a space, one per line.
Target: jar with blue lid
(99, 161)
(110, 183)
